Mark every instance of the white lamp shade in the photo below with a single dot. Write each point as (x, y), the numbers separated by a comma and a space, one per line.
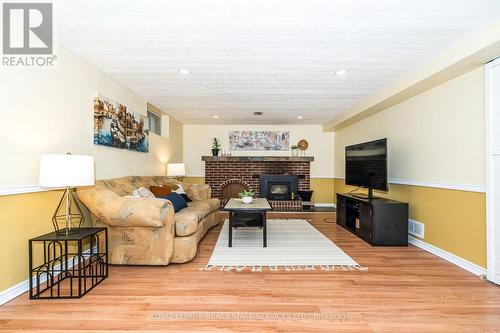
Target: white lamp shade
(58, 170)
(176, 169)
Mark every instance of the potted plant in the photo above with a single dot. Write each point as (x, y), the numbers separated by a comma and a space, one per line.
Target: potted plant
(246, 197)
(295, 150)
(215, 147)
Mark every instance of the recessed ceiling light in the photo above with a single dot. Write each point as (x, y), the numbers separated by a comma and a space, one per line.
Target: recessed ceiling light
(184, 71)
(216, 116)
(299, 117)
(341, 72)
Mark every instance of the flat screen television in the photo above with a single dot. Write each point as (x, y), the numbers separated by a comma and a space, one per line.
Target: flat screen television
(366, 165)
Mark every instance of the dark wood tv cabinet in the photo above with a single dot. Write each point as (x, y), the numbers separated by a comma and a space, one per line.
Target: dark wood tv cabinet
(377, 221)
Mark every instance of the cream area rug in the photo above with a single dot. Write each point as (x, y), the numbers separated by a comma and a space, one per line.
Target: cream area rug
(291, 245)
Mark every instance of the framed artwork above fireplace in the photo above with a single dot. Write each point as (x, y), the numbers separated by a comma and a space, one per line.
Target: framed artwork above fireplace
(259, 140)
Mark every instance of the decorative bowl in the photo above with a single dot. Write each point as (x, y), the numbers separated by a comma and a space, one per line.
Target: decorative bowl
(247, 200)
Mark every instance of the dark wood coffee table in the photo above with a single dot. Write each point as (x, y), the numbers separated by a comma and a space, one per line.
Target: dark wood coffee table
(248, 215)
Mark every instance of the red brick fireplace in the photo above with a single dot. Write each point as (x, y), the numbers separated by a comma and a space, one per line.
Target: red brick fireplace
(228, 175)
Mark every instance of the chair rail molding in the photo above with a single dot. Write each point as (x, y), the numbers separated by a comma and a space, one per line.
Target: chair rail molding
(23, 189)
(425, 183)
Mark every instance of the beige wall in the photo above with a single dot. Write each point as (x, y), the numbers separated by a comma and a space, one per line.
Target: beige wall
(435, 137)
(198, 139)
(49, 110)
(436, 146)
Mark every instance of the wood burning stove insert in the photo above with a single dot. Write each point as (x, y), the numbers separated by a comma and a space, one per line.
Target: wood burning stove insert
(278, 187)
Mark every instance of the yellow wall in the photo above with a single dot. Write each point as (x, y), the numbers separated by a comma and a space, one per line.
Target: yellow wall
(454, 220)
(323, 190)
(437, 138)
(22, 217)
(322, 187)
(194, 180)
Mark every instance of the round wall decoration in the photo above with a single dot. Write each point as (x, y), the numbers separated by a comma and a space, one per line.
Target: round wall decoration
(303, 144)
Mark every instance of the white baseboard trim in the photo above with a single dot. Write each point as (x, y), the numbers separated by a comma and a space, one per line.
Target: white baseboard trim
(423, 183)
(15, 291)
(454, 259)
(325, 204)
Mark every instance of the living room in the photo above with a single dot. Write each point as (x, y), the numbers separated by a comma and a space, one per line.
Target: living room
(250, 166)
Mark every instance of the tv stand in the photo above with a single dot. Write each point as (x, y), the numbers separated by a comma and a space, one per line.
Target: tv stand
(378, 222)
(365, 196)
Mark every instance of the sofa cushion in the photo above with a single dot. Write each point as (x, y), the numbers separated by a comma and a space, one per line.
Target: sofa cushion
(186, 220)
(177, 201)
(207, 205)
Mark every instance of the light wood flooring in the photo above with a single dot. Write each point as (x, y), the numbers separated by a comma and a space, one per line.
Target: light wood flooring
(404, 290)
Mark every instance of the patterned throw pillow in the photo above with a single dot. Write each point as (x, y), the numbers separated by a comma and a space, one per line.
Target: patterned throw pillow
(142, 192)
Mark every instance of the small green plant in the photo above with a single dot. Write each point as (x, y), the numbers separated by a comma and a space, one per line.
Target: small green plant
(245, 194)
(215, 143)
(295, 147)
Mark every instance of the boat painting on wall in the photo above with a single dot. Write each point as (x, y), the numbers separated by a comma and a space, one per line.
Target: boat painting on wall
(116, 126)
(259, 140)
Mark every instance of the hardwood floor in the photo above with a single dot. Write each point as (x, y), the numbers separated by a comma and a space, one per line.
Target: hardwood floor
(404, 290)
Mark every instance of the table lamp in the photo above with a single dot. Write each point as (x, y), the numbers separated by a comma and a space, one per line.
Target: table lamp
(176, 170)
(68, 171)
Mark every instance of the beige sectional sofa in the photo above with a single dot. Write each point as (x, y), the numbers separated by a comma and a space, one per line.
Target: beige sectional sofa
(146, 231)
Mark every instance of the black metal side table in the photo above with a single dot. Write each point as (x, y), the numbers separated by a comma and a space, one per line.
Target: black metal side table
(69, 266)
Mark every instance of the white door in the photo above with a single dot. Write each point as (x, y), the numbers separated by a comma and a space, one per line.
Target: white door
(493, 168)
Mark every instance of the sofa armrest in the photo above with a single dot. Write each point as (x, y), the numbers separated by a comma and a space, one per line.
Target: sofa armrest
(198, 191)
(117, 211)
(137, 212)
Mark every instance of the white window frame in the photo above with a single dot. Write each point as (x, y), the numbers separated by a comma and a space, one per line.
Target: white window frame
(164, 121)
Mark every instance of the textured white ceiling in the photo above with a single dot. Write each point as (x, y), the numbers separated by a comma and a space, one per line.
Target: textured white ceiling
(277, 57)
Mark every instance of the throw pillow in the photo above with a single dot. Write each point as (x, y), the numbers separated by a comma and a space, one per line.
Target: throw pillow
(181, 191)
(142, 192)
(160, 191)
(185, 196)
(177, 201)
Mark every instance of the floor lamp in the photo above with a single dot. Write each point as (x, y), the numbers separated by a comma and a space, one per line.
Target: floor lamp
(66, 171)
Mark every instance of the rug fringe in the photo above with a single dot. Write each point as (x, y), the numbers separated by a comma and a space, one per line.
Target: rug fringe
(276, 268)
